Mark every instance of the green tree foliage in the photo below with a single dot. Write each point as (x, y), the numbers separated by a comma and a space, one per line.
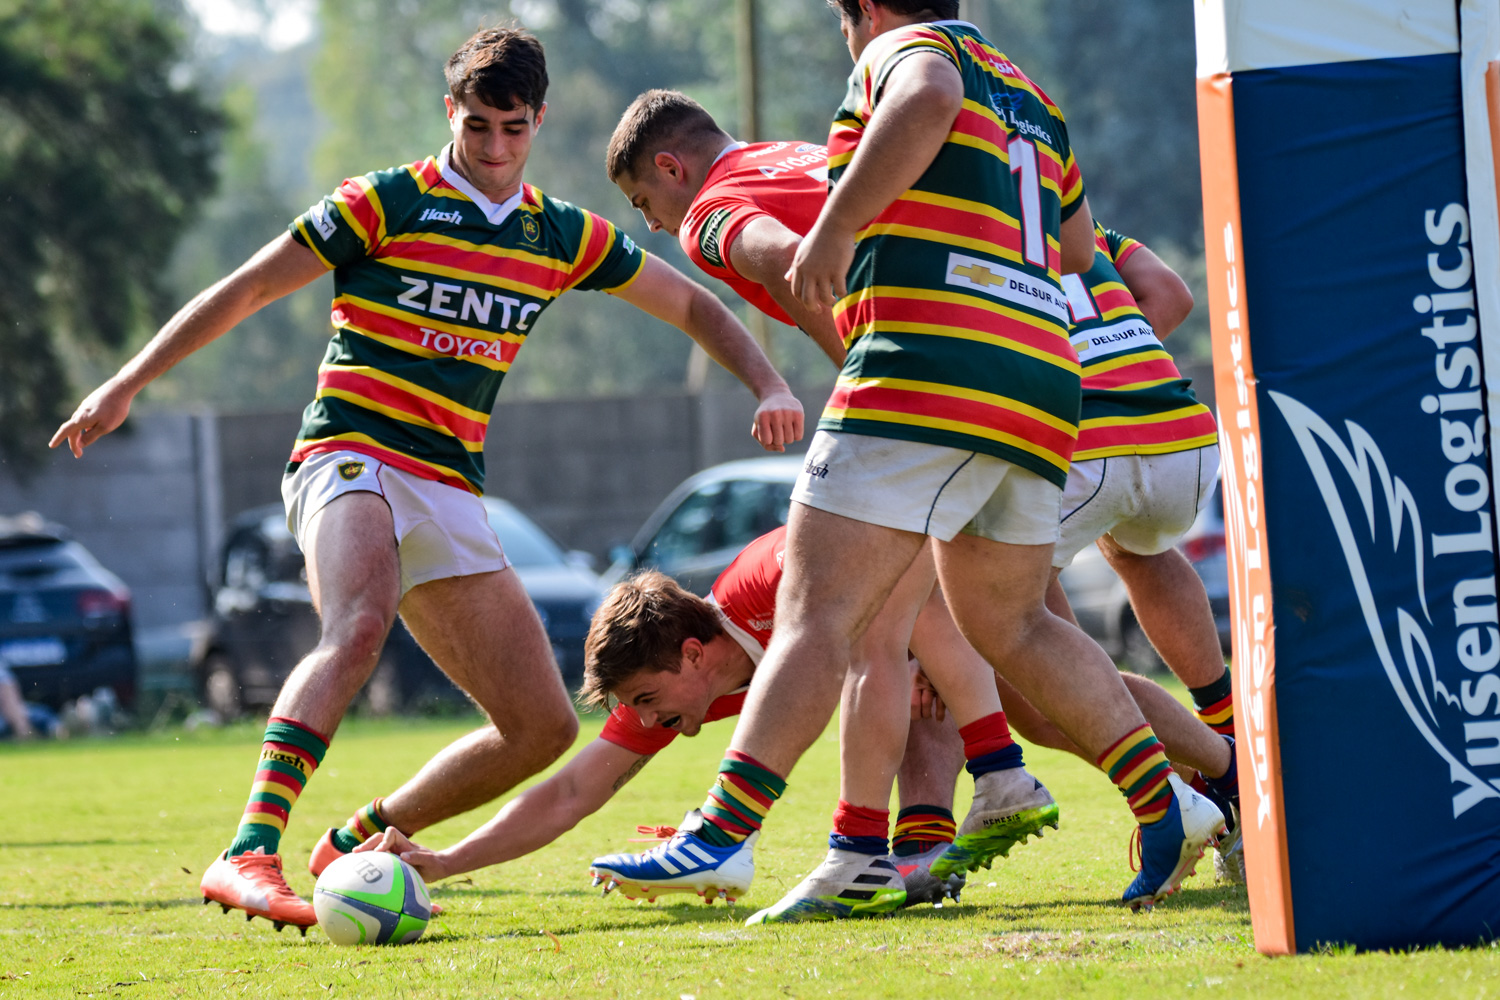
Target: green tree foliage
(102, 160)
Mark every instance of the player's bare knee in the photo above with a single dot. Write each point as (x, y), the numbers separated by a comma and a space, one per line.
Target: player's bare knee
(358, 635)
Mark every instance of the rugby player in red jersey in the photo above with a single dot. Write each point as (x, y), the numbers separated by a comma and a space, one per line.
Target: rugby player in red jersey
(441, 269)
(674, 661)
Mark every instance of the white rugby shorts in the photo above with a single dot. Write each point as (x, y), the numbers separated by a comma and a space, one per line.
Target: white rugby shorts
(928, 489)
(1146, 503)
(441, 530)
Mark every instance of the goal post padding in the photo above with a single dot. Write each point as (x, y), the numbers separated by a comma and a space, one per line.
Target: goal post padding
(1353, 262)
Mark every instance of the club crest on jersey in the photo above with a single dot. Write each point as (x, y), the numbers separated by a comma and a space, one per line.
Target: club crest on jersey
(710, 237)
(530, 229)
(351, 471)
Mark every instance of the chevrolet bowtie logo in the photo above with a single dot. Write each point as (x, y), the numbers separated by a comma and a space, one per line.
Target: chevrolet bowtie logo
(978, 274)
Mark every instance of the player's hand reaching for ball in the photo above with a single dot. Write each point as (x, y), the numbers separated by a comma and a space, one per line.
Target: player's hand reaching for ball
(778, 421)
(429, 864)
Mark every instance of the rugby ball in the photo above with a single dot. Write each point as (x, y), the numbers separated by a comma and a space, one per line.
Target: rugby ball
(371, 898)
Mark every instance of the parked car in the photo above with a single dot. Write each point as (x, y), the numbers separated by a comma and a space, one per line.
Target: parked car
(263, 620)
(702, 524)
(1103, 609)
(65, 626)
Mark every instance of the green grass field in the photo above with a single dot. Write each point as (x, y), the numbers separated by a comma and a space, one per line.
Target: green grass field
(105, 841)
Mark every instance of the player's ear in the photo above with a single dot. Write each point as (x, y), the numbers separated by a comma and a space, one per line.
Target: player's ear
(670, 165)
(541, 112)
(692, 652)
(448, 103)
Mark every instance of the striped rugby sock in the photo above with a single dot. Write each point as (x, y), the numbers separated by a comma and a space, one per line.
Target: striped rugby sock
(921, 828)
(1138, 766)
(288, 757)
(858, 829)
(363, 825)
(1215, 705)
(741, 797)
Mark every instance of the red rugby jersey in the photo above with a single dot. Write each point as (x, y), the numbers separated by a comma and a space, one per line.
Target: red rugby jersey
(746, 595)
(786, 180)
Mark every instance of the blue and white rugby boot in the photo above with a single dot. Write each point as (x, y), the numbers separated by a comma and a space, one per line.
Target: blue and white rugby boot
(846, 884)
(685, 863)
(1170, 847)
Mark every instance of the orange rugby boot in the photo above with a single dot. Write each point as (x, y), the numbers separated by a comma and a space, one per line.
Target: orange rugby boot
(324, 854)
(254, 883)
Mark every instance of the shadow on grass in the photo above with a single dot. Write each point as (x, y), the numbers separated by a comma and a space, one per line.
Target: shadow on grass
(124, 905)
(1212, 899)
(21, 845)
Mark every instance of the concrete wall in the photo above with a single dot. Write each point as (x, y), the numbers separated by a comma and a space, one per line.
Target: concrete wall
(151, 500)
(144, 501)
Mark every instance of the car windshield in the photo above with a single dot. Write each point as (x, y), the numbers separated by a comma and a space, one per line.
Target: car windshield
(726, 514)
(525, 544)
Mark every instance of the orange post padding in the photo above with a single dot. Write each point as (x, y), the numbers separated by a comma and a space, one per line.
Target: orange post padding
(1259, 755)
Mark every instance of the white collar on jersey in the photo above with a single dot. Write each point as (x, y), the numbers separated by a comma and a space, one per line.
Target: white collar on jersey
(496, 214)
(747, 642)
(733, 145)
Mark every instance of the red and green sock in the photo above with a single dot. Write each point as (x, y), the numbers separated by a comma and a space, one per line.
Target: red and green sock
(921, 828)
(363, 825)
(288, 757)
(988, 745)
(1215, 705)
(1137, 764)
(741, 797)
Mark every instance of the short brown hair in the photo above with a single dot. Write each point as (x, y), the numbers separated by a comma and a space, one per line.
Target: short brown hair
(641, 625)
(504, 67)
(941, 10)
(654, 121)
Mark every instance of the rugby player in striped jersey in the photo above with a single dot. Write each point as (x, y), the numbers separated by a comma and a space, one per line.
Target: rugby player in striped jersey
(441, 268)
(956, 206)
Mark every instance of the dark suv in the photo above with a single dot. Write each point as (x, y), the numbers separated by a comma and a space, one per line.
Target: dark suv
(264, 620)
(64, 619)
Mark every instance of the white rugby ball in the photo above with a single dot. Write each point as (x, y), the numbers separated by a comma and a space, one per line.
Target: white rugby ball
(371, 898)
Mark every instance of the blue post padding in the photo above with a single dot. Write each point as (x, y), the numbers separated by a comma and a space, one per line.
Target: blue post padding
(1392, 806)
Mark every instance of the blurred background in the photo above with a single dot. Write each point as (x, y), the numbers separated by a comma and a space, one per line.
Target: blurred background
(147, 147)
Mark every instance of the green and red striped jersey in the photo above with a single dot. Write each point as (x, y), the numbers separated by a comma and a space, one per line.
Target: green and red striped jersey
(956, 322)
(435, 290)
(1135, 401)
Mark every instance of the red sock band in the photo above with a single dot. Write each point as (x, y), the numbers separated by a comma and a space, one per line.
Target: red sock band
(985, 735)
(857, 821)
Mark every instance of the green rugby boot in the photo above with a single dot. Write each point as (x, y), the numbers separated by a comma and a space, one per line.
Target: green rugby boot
(1009, 807)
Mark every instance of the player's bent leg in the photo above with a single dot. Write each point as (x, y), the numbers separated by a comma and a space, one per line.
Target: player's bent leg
(995, 591)
(483, 631)
(839, 573)
(925, 825)
(1172, 607)
(355, 580)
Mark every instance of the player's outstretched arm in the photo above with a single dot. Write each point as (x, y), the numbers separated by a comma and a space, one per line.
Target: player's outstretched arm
(763, 252)
(1160, 292)
(917, 109)
(670, 296)
(279, 268)
(531, 820)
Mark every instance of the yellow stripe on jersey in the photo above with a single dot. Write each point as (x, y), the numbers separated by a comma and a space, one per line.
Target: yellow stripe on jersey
(441, 471)
(385, 378)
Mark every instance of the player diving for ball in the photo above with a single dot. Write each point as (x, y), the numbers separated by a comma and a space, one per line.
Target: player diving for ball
(441, 269)
(957, 202)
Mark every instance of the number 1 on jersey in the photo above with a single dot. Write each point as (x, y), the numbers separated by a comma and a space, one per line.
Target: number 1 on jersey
(1033, 237)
